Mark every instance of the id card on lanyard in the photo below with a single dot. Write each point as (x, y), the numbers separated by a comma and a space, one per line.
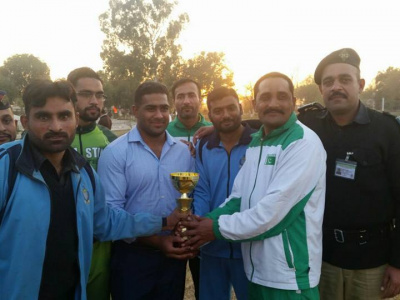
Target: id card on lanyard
(345, 168)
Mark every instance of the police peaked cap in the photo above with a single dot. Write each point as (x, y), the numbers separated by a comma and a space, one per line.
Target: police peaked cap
(345, 56)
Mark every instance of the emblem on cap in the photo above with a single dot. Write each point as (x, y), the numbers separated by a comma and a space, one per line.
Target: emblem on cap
(344, 55)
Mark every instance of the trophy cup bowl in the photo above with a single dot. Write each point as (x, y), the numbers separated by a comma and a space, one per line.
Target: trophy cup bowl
(184, 182)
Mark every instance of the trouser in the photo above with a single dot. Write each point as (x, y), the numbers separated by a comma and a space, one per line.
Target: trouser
(218, 274)
(139, 272)
(342, 284)
(259, 292)
(98, 286)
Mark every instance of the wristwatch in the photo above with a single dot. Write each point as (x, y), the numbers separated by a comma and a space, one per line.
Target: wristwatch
(164, 222)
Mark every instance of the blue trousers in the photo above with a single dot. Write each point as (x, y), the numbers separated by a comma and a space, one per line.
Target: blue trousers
(218, 275)
(139, 272)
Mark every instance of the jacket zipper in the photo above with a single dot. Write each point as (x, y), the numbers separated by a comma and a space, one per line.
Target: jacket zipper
(80, 141)
(77, 226)
(251, 194)
(227, 194)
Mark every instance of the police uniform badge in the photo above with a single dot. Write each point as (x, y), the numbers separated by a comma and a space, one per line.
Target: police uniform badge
(314, 106)
(86, 196)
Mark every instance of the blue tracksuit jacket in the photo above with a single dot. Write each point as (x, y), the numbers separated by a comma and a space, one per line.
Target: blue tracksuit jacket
(218, 170)
(24, 226)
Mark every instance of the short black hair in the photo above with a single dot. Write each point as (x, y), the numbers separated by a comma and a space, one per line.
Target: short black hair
(149, 87)
(219, 93)
(37, 93)
(273, 75)
(83, 72)
(183, 81)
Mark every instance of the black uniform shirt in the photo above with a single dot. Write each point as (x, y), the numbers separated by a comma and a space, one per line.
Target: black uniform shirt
(372, 199)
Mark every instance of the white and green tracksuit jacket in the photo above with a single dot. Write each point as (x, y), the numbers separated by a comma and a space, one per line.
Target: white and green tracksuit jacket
(276, 207)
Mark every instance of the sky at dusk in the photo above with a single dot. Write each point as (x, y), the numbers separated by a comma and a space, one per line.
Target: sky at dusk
(257, 36)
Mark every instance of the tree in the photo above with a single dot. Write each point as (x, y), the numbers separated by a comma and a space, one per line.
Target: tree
(141, 40)
(7, 85)
(247, 101)
(141, 44)
(119, 93)
(209, 70)
(20, 70)
(307, 91)
(385, 85)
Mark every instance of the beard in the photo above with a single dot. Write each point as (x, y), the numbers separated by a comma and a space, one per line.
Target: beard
(51, 142)
(234, 125)
(187, 112)
(5, 137)
(89, 116)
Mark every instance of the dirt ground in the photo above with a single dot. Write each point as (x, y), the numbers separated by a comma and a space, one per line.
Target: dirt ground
(189, 290)
(189, 287)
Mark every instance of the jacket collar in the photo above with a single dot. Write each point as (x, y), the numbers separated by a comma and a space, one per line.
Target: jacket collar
(179, 124)
(86, 129)
(278, 131)
(134, 136)
(361, 117)
(245, 139)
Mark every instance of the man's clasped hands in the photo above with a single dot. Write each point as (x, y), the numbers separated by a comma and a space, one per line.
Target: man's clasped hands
(189, 234)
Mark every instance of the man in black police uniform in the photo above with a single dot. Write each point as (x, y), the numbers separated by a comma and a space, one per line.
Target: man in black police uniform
(361, 249)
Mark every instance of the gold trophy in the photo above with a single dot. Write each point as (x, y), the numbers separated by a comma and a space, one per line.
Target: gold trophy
(184, 182)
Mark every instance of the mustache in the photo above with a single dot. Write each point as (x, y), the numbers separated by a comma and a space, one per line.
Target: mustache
(91, 107)
(269, 110)
(334, 94)
(227, 120)
(49, 135)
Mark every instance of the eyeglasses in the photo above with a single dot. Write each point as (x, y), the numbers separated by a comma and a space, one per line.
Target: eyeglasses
(89, 95)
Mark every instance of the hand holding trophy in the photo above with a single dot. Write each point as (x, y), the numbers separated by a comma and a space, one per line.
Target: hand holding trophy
(184, 182)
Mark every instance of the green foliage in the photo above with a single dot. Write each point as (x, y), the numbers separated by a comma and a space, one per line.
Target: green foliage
(141, 39)
(141, 44)
(7, 85)
(209, 70)
(119, 93)
(386, 85)
(307, 91)
(19, 70)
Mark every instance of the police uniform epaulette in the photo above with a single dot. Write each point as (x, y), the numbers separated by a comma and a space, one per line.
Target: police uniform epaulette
(315, 106)
(397, 118)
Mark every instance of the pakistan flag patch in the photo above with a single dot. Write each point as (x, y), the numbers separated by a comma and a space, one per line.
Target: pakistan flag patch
(270, 160)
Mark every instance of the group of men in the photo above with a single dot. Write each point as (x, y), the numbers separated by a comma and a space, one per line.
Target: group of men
(298, 207)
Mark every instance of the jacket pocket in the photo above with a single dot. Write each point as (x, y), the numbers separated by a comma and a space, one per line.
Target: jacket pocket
(288, 250)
